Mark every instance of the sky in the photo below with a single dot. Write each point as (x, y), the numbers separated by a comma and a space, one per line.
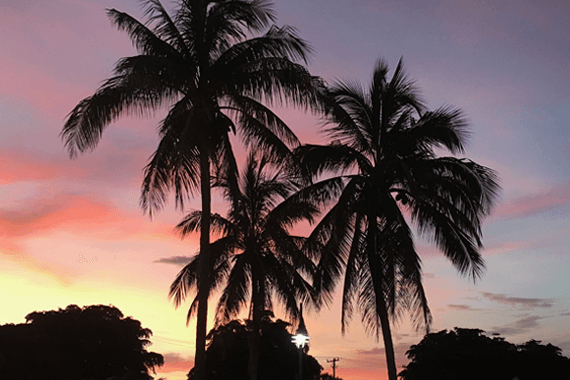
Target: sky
(72, 231)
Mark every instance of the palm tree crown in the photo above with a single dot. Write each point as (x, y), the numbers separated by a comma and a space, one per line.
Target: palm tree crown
(384, 148)
(256, 259)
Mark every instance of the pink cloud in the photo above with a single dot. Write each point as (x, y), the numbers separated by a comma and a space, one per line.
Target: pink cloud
(499, 249)
(81, 215)
(518, 301)
(12, 251)
(16, 166)
(115, 162)
(533, 204)
(174, 362)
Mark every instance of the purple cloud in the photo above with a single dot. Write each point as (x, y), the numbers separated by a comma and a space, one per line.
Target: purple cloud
(462, 307)
(175, 260)
(522, 325)
(518, 301)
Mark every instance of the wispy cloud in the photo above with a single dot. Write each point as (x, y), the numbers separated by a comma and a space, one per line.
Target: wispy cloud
(462, 307)
(519, 326)
(84, 215)
(12, 251)
(175, 260)
(535, 203)
(375, 357)
(518, 301)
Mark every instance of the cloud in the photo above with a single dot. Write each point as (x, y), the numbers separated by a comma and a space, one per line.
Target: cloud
(518, 301)
(174, 362)
(534, 204)
(19, 166)
(62, 211)
(13, 251)
(520, 326)
(462, 307)
(565, 346)
(175, 260)
(83, 215)
(375, 357)
(374, 352)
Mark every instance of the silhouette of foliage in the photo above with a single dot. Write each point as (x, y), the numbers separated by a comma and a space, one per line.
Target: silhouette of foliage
(469, 354)
(89, 343)
(328, 376)
(199, 62)
(228, 354)
(256, 261)
(381, 173)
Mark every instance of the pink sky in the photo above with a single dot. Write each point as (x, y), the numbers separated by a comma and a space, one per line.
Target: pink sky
(72, 231)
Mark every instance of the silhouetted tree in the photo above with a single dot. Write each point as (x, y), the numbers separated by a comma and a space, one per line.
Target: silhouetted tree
(470, 355)
(256, 260)
(201, 64)
(327, 376)
(227, 353)
(89, 343)
(384, 148)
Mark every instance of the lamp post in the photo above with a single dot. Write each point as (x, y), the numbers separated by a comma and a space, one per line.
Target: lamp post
(301, 339)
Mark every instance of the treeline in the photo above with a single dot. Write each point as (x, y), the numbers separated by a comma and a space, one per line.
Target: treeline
(90, 343)
(469, 354)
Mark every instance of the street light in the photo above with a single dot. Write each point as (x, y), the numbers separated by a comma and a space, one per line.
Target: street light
(301, 339)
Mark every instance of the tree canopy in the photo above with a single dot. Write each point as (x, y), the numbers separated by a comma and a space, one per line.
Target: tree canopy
(470, 354)
(90, 343)
(227, 354)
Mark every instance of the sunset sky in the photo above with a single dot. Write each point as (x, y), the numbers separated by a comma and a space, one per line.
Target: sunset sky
(72, 232)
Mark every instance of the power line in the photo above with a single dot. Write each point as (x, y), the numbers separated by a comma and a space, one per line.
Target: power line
(172, 341)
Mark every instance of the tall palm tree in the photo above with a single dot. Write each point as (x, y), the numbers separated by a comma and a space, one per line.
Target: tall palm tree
(201, 64)
(256, 260)
(383, 150)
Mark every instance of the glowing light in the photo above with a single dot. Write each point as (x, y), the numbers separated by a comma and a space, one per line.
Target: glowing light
(300, 340)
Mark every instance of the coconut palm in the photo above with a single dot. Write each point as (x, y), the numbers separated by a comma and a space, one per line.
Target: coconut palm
(257, 260)
(388, 175)
(201, 64)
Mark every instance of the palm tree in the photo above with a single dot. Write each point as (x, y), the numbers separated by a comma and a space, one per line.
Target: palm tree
(256, 259)
(201, 64)
(388, 174)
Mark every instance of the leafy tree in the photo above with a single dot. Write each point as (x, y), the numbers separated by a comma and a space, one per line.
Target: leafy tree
(227, 353)
(90, 343)
(201, 64)
(256, 260)
(383, 151)
(469, 354)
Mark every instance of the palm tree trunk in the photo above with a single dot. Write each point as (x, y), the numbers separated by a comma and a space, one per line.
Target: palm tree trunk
(203, 265)
(257, 300)
(381, 308)
(387, 336)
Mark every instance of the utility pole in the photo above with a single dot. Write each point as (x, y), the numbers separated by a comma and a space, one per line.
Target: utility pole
(333, 361)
